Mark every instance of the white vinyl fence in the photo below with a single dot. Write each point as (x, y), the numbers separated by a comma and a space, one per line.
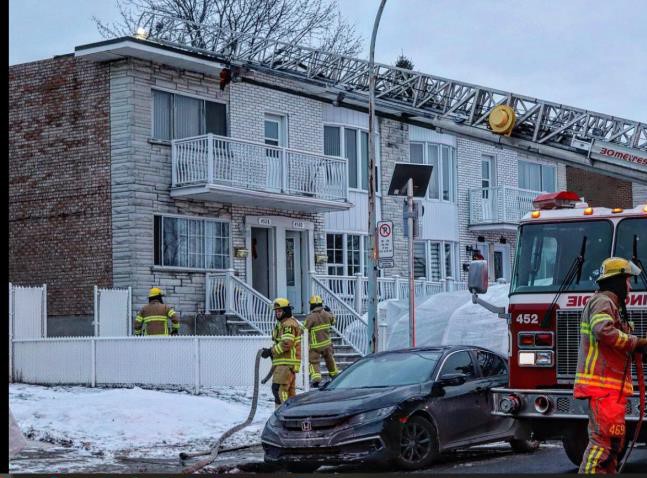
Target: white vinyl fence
(189, 362)
(27, 311)
(112, 312)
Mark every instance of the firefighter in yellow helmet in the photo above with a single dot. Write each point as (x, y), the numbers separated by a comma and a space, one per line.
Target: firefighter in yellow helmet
(154, 317)
(286, 352)
(318, 324)
(603, 375)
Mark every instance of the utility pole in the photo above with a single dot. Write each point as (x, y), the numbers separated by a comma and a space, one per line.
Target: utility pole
(372, 181)
(412, 289)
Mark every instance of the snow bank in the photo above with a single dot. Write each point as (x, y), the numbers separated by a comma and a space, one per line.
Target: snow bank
(449, 318)
(133, 420)
(16, 440)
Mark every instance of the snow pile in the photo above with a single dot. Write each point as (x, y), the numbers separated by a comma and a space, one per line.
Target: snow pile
(135, 421)
(449, 318)
(16, 439)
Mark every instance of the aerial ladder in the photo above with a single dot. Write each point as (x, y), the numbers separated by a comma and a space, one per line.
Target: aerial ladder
(594, 141)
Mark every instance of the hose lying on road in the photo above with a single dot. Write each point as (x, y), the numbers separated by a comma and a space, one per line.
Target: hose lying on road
(213, 452)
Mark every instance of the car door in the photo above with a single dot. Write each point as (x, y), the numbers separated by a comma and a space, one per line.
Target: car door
(494, 373)
(455, 408)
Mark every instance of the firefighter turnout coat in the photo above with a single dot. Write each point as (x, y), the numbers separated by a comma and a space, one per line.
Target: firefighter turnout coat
(153, 319)
(318, 324)
(605, 345)
(287, 344)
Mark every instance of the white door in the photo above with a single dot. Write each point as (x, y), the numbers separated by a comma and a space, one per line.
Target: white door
(487, 182)
(275, 135)
(501, 262)
(293, 272)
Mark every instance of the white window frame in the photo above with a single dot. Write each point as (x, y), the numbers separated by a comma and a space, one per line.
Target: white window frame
(541, 175)
(192, 218)
(453, 180)
(363, 255)
(281, 121)
(342, 149)
(442, 258)
(174, 93)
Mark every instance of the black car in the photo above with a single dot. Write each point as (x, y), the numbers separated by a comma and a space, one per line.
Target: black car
(403, 407)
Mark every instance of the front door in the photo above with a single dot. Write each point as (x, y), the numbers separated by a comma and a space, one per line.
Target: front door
(262, 258)
(487, 182)
(293, 270)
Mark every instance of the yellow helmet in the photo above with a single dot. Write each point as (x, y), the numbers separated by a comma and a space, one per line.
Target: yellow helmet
(614, 266)
(316, 300)
(280, 303)
(155, 292)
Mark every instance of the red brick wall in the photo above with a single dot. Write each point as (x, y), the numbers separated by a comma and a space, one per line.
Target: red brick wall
(59, 180)
(599, 190)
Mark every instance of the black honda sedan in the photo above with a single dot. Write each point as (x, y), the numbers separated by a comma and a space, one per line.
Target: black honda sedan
(402, 407)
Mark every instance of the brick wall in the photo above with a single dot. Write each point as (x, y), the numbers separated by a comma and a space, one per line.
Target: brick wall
(598, 189)
(59, 180)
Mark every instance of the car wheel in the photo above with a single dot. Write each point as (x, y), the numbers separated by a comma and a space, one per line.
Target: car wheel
(301, 467)
(418, 445)
(575, 441)
(524, 446)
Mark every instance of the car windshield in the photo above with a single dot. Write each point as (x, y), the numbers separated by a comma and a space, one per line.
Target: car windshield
(390, 370)
(627, 230)
(545, 252)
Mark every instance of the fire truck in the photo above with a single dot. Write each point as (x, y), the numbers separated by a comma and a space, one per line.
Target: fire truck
(560, 247)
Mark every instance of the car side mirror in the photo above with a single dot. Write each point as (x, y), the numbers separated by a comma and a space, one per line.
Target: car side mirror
(452, 379)
(477, 277)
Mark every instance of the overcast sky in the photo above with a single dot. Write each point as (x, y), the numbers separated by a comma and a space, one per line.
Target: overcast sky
(586, 53)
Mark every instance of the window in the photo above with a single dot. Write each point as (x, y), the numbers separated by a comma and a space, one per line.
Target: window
(442, 184)
(419, 260)
(177, 116)
(537, 177)
(347, 254)
(354, 144)
(434, 260)
(459, 362)
(491, 365)
(191, 243)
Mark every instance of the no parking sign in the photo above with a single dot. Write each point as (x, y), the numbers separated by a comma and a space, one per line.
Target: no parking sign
(385, 244)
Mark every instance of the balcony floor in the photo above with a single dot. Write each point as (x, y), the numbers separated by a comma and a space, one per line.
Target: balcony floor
(247, 197)
(493, 227)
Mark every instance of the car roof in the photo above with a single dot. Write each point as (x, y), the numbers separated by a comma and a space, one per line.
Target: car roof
(438, 348)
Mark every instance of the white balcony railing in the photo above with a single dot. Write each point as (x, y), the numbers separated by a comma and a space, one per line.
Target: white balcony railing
(219, 160)
(499, 205)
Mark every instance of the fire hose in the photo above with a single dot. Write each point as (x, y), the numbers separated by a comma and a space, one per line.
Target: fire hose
(213, 451)
(640, 375)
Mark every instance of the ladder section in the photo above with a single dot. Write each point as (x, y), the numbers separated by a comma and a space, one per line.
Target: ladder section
(466, 106)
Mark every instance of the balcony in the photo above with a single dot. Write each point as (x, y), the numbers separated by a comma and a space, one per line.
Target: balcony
(222, 169)
(499, 208)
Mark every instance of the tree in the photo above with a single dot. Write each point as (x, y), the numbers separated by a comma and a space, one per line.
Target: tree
(315, 23)
(404, 62)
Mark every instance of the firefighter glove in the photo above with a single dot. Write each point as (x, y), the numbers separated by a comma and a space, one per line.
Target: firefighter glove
(266, 353)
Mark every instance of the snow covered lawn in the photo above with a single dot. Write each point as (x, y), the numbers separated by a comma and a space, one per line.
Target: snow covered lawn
(127, 422)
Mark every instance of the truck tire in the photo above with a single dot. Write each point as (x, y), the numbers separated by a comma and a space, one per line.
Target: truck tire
(575, 442)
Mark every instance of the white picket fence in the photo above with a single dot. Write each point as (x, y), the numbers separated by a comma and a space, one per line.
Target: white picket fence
(112, 312)
(188, 362)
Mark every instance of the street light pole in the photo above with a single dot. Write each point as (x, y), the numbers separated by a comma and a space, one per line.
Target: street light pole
(412, 290)
(372, 181)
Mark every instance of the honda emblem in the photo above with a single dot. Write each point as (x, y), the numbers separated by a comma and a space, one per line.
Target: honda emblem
(306, 426)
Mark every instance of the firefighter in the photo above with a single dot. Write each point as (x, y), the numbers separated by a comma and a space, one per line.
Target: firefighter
(153, 318)
(603, 375)
(286, 352)
(318, 324)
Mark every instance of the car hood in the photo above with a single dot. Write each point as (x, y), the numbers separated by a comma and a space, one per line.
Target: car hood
(345, 402)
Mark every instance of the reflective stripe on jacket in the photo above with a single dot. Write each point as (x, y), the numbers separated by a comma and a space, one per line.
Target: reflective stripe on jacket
(153, 319)
(318, 323)
(287, 343)
(605, 345)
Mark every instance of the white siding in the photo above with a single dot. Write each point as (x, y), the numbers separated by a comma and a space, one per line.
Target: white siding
(440, 221)
(344, 116)
(356, 218)
(416, 133)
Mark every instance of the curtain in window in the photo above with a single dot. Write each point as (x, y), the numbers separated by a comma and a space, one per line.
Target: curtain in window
(217, 245)
(432, 159)
(161, 115)
(416, 153)
(529, 176)
(419, 260)
(350, 146)
(194, 243)
(548, 179)
(188, 115)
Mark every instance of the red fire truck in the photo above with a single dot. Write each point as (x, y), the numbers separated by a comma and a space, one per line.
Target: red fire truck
(560, 247)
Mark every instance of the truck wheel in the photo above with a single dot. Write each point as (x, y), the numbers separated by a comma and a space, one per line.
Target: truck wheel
(575, 441)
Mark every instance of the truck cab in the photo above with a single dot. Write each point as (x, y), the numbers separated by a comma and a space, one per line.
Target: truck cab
(560, 247)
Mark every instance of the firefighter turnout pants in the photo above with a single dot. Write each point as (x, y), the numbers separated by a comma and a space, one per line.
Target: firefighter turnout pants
(314, 357)
(283, 384)
(606, 434)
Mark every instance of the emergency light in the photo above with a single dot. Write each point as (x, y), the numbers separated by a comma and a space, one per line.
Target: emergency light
(559, 200)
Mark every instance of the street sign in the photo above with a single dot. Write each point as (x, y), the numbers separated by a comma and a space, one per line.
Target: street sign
(385, 263)
(385, 240)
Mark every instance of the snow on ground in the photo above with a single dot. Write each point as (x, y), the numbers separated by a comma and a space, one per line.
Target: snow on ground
(450, 318)
(117, 422)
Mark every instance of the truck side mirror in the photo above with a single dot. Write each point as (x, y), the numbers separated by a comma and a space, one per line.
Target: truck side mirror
(477, 278)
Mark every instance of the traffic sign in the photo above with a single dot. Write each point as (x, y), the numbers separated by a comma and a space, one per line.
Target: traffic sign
(385, 240)
(385, 263)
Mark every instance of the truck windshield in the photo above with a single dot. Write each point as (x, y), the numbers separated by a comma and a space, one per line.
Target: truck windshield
(546, 251)
(626, 230)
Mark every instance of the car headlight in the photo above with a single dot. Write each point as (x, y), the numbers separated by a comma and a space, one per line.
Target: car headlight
(274, 421)
(372, 415)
